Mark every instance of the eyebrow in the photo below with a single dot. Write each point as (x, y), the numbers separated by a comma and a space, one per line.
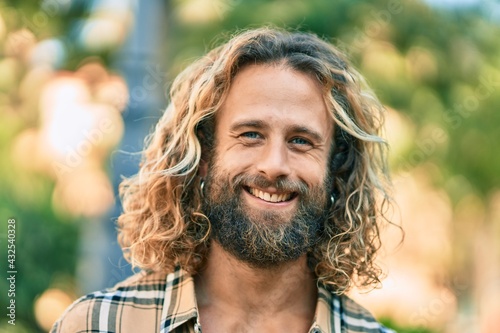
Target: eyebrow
(248, 123)
(305, 130)
(258, 124)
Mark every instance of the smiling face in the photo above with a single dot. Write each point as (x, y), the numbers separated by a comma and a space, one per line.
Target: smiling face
(267, 185)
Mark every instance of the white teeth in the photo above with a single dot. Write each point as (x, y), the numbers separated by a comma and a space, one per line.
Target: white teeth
(268, 196)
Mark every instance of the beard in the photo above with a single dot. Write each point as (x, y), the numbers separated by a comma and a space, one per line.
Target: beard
(264, 238)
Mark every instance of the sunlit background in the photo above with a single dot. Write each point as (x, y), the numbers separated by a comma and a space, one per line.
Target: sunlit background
(82, 82)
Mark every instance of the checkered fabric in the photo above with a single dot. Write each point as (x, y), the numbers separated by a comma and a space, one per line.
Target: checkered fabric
(154, 302)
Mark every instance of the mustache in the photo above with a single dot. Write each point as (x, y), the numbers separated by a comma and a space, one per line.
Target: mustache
(280, 184)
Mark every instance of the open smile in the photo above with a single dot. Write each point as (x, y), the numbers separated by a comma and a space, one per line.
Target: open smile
(271, 197)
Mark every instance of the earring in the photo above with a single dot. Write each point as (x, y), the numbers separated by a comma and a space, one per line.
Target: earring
(202, 186)
(332, 199)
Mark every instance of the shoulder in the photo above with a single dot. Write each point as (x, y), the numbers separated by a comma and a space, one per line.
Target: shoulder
(139, 295)
(356, 318)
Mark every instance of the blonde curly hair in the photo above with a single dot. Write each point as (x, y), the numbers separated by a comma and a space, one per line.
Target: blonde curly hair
(162, 225)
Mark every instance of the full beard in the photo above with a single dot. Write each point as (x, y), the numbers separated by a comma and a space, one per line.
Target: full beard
(264, 238)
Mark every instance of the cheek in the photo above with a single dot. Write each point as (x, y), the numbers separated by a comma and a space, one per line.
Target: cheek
(313, 171)
(235, 160)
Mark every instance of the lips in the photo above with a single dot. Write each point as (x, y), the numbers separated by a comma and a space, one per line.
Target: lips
(270, 197)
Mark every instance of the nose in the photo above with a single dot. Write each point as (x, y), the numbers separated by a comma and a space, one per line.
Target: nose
(274, 162)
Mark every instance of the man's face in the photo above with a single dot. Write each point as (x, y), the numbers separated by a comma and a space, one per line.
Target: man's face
(267, 186)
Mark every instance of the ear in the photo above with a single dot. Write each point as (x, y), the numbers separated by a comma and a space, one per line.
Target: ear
(203, 166)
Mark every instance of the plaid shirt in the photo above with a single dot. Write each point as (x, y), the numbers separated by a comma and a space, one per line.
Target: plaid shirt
(153, 302)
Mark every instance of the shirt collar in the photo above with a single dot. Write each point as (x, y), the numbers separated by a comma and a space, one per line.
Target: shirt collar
(180, 305)
(327, 317)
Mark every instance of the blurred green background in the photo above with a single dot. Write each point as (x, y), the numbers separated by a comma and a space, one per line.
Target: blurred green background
(82, 83)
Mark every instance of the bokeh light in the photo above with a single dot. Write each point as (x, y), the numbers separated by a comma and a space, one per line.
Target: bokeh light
(79, 123)
(50, 52)
(50, 306)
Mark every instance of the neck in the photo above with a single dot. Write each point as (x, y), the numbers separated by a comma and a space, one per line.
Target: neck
(227, 283)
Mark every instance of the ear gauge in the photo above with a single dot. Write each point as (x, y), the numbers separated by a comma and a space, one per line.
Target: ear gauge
(202, 186)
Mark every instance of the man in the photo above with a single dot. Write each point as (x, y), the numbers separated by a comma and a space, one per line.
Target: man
(255, 208)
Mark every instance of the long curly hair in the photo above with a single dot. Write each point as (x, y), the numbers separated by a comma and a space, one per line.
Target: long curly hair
(162, 225)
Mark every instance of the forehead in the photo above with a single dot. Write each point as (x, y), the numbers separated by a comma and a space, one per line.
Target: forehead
(276, 94)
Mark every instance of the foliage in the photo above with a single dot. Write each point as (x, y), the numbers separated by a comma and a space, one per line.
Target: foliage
(46, 241)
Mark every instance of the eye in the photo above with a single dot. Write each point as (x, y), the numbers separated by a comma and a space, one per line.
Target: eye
(300, 141)
(251, 135)
(301, 144)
